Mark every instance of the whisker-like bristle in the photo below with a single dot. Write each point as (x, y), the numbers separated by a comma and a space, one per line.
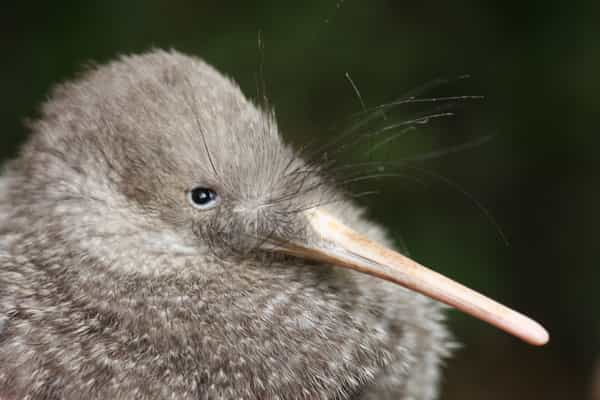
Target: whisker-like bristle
(459, 189)
(192, 103)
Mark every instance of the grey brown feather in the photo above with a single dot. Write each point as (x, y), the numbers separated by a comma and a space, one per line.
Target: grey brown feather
(113, 287)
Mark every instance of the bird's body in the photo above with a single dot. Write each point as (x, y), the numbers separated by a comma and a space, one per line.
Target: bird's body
(120, 280)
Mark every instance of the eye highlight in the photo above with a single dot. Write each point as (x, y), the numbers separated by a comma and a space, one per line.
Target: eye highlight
(203, 198)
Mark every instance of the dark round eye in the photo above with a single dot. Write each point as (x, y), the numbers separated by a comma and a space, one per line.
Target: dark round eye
(203, 198)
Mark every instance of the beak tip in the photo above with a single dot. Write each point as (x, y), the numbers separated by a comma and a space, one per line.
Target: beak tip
(534, 334)
(541, 337)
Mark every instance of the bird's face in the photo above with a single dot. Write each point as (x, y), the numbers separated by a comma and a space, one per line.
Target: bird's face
(169, 153)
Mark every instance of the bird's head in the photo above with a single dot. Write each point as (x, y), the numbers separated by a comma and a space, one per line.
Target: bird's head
(157, 158)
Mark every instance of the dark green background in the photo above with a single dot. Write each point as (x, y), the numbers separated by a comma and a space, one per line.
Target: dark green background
(536, 63)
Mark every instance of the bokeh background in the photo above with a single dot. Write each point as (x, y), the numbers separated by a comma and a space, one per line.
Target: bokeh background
(529, 147)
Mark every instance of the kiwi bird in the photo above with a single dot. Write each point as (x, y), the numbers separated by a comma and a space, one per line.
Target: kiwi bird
(159, 240)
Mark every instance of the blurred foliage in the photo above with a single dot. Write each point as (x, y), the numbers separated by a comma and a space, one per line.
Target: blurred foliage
(537, 65)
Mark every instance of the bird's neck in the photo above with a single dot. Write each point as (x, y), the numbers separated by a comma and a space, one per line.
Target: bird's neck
(241, 330)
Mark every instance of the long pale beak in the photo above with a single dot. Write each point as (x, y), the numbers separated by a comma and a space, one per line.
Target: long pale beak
(339, 245)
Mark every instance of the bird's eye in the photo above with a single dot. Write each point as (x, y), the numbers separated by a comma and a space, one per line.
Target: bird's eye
(203, 198)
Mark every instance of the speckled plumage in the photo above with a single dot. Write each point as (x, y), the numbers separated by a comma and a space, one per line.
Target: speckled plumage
(113, 287)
